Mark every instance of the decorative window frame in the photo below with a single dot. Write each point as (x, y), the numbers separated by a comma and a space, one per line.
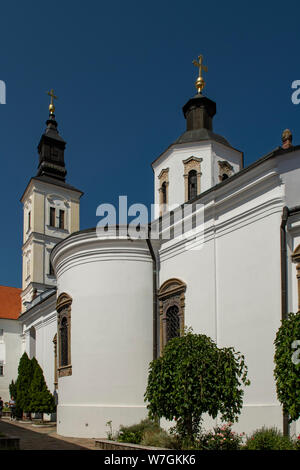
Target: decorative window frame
(224, 169)
(191, 163)
(296, 259)
(163, 177)
(63, 308)
(171, 292)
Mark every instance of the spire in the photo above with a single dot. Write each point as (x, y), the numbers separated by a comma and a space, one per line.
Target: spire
(200, 83)
(199, 110)
(51, 148)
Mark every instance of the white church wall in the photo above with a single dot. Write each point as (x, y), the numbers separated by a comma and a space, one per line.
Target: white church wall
(249, 311)
(288, 165)
(10, 353)
(111, 334)
(234, 282)
(43, 318)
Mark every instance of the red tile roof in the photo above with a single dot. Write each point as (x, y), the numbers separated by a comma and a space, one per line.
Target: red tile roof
(10, 302)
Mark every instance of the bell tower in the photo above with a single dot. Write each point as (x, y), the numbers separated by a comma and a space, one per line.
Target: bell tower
(51, 212)
(199, 159)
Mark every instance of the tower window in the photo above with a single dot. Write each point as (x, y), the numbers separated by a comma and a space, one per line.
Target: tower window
(1, 369)
(29, 220)
(164, 193)
(61, 219)
(52, 216)
(51, 270)
(192, 184)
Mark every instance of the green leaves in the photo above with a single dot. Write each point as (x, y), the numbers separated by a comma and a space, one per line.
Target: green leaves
(41, 400)
(30, 390)
(287, 370)
(192, 377)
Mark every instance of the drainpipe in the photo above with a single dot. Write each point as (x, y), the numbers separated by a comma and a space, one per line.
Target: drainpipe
(155, 302)
(284, 300)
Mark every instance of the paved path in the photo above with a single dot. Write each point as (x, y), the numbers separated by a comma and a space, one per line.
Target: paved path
(34, 438)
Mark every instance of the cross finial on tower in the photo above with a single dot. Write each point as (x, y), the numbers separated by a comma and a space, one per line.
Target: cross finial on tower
(200, 83)
(51, 105)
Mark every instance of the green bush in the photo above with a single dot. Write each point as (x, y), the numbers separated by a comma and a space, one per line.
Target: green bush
(41, 400)
(192, 377)
(22, 385)
(269, 439)
(134, 433)
(158, 438)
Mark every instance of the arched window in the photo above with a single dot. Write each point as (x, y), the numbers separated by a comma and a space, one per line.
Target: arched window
(192, 184)
(172, 322)
(163, 182)
(63, 307)
(32, 342)
(64, 360)
(171, 297)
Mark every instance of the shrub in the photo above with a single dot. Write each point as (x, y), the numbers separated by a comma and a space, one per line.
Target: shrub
(297, 443)
(269, 439)
(158, 438)
(193, 377)
(41, 400)
(22, 385)
(221, 438)
(135, 432)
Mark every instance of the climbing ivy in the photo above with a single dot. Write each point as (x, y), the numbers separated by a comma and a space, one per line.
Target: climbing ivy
(287, 365)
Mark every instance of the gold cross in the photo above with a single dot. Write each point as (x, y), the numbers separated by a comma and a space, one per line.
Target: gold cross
(200, 83)
(51, 105)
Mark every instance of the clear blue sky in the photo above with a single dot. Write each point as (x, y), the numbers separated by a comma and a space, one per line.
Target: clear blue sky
(122, 71)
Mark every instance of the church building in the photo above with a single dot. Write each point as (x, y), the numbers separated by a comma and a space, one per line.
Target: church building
(98, 306)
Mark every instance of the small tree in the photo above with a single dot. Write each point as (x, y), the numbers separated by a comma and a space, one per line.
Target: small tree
(192, 377)
(25, 374)
(41, 400)
(287, 365)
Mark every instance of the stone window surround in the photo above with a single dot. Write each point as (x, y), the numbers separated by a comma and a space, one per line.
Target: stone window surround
(224, 169)
(171, 292)
(64, 204)
(63, 308)
(191, 163)
(296, 259)
(163, 177)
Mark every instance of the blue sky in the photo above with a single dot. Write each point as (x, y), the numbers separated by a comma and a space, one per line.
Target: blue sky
(122, 71)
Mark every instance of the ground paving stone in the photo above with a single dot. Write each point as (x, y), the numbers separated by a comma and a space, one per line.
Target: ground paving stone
(34, 438)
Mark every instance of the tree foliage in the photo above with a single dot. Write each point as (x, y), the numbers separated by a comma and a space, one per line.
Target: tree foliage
(193, 377)
(41, 400)
(30, 390)
(25, 374)
(287, 365)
